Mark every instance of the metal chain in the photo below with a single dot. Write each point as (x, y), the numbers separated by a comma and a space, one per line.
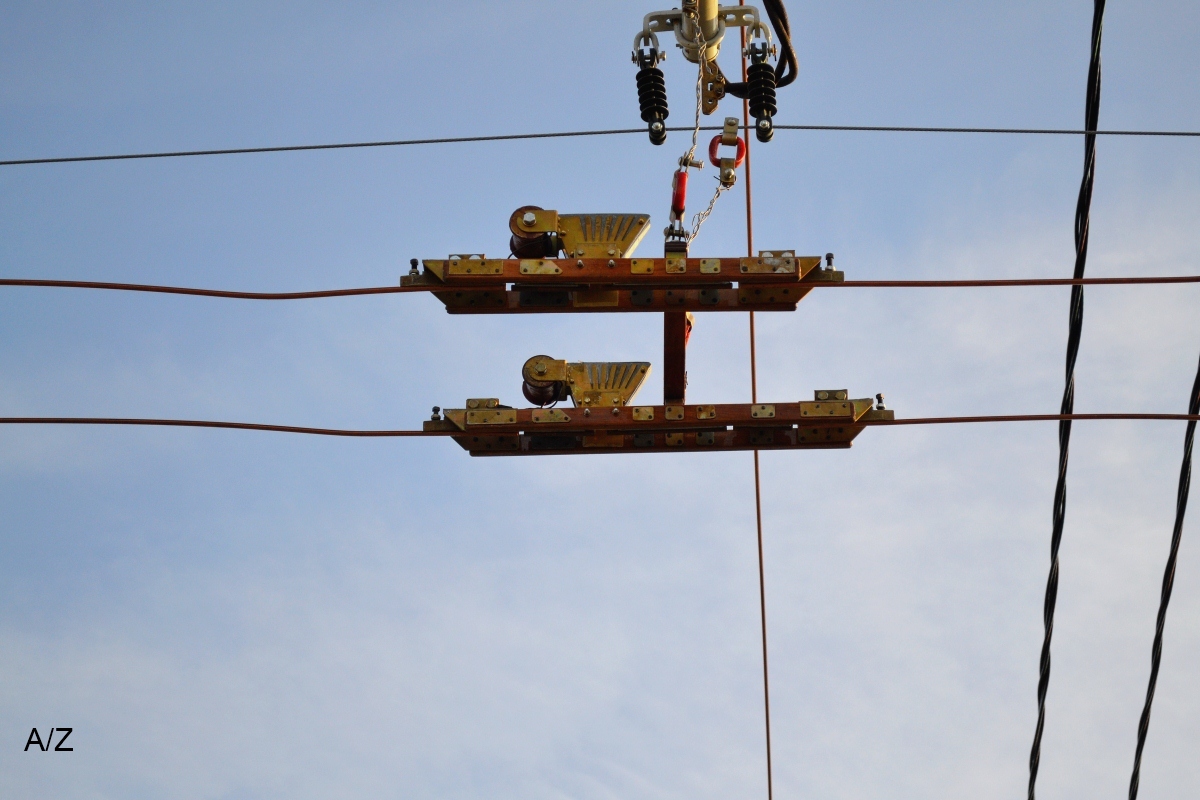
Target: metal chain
(699, 219)
(701, 50)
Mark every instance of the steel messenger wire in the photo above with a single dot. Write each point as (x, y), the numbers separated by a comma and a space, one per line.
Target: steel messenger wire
(968, 283)
(762, 582)
(1168, 583)
(388, 433)
(1074, 331)
(508, 137)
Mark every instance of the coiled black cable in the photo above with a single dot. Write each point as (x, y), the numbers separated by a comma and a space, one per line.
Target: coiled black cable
(1074, 331)
(1168, 583)
(787, 68)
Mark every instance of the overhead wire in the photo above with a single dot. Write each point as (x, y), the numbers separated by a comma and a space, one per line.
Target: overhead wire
(1168, 583)
(1074, 331)
(568, 134)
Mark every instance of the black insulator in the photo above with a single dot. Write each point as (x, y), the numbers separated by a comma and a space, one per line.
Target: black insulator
(652, 97)
(760, 80)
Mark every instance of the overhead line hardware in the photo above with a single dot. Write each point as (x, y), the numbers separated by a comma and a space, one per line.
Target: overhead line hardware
(570, 134)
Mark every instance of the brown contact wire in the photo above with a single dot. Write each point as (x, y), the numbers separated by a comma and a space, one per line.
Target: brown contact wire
(386, 433)
(762, 591)
(369, 290)
(143, 287)
(202, 423)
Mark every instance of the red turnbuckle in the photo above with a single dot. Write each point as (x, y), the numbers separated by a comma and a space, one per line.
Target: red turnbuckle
(679, 194)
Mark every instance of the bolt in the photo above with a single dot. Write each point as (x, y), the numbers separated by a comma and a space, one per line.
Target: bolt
(611, 263)
(437, 413)
(656, 126)
(587, 412)
(412, 267)
(529, 218)
(822, 395)
(616, 411)
(879, 402)
(764, 123)
(579, 263)
(829, 261)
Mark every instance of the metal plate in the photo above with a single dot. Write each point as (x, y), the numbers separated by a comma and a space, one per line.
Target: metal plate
(600, 298)
(475, 266)
(676, 265)
(674, 439)
(710, 266)
(706, 438)
(768, 294)
(604, 440)
(643, 413)
(530, 266)
(706, 412)
(779, 261)
(674, 412)
(473, 299)
(641, 266)
(641, 297)
(836, 409)
(489, 443)
(536, 298)
(492, 416)
(643, 440)
(550, 415)
(762, 411)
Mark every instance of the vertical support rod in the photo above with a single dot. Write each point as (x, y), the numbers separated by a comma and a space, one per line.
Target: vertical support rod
(706, 11)
(762, 585)
(675, 357)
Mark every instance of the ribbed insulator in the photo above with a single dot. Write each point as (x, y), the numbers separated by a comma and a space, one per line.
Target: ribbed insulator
(761, 94)
(652, 94)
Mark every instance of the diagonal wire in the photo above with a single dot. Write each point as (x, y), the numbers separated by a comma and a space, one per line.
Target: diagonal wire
(1075, 329)
(1168, 583)
(508, 137)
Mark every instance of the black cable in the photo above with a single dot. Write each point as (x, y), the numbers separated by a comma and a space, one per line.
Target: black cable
(1075, 329)
(1168, 583)
(569, 134)
(787, 54)
(783, 31)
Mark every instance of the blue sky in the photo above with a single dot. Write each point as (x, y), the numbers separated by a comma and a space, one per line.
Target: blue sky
(250, 615)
